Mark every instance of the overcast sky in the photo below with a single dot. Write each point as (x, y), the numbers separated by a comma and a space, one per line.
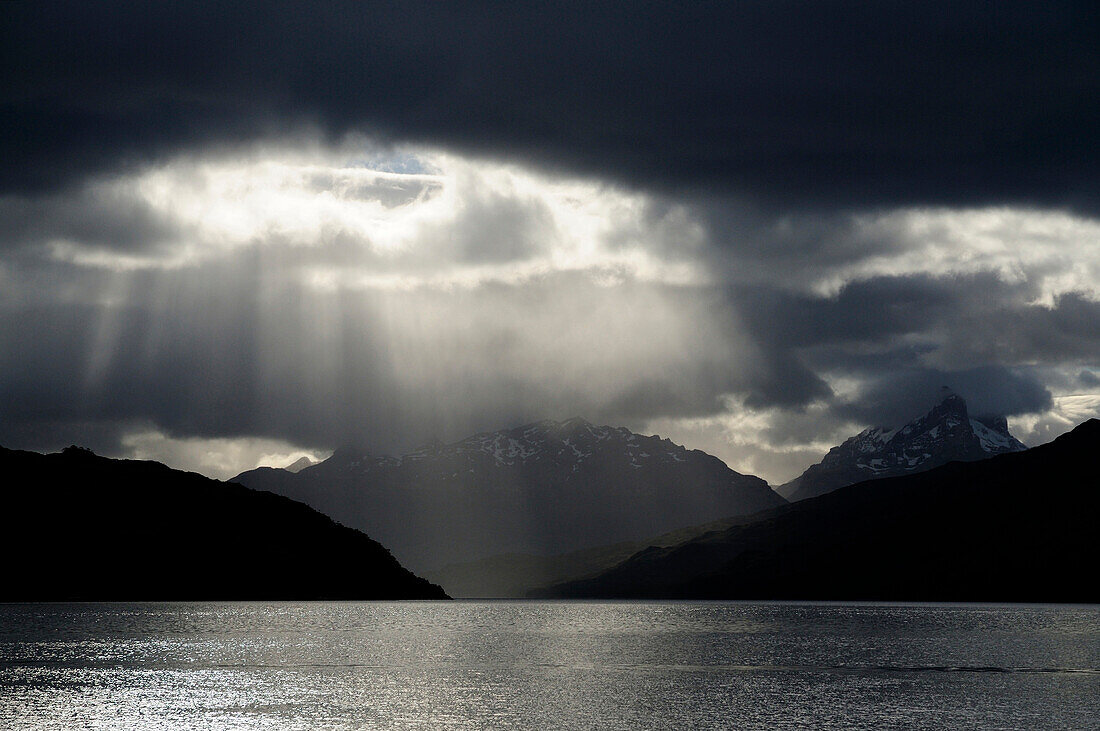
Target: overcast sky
(233, 234)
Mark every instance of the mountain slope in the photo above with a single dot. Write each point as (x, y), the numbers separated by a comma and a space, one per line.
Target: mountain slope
(1016, 527)
(543, 488)
(518, 575)
(300, 464)
(945, 434)
(76, 526)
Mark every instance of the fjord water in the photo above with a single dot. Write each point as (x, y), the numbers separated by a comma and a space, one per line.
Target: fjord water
(628, 665)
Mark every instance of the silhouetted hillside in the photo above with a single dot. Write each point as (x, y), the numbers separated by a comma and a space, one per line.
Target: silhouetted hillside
(517, 575)
(1016, 527)
(76, 526)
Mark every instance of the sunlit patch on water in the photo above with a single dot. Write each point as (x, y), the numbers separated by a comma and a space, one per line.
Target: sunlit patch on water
(548, 665)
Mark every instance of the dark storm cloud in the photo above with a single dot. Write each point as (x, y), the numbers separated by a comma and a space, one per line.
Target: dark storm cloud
(778, 379)
(893, 399)
(906, 337)
(971, 319)
(868, 310)
(774, 142)
(1068, 331)
(827, 104)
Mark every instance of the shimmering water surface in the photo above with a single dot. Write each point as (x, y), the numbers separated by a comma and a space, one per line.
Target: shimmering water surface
(548, 665)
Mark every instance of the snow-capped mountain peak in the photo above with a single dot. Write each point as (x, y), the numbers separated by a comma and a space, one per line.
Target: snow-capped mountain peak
(946, 433)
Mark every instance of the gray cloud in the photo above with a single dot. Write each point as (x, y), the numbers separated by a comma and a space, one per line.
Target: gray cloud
(950, 320)
(225, 350)
(903, 338)
(828, 104)
(774, 145)
(494, 227)
(243, 345)
(94, 216)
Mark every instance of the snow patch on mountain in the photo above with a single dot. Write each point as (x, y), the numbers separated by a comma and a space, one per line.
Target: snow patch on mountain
(994, 441)
(567, 442)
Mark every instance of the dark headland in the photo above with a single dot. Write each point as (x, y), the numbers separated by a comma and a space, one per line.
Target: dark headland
(76, 526)
(1015, 527)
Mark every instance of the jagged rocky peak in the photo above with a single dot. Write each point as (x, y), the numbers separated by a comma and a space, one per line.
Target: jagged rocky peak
(946, 433)
(993, 433)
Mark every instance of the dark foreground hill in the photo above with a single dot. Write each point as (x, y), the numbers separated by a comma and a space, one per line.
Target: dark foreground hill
(543, 488)
(1016, 527)
(76, 526)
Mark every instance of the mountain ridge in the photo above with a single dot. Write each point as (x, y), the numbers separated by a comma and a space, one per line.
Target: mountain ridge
(543, 487)
(78, 526)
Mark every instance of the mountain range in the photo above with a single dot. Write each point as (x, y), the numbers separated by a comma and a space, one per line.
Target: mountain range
(542, 488)
(76, 526)
(947, 433)
(1020, 526)
(954, 509)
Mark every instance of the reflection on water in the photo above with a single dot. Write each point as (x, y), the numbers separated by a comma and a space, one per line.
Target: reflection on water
(548, 665)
